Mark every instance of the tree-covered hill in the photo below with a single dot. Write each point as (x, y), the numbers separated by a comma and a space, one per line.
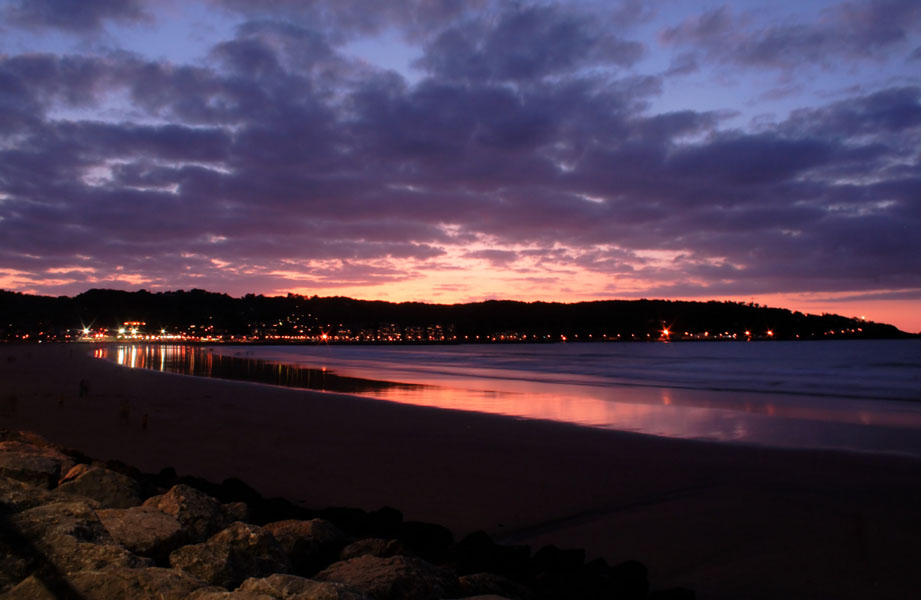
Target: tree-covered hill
(347, 319)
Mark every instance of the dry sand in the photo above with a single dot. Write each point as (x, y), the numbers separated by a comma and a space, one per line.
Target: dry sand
(726, 521)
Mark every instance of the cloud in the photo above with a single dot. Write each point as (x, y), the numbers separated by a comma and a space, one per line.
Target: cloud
(531, 148)
(83, 16)
(345, 19)
(881, 113)
(852, 30)
(526, 43)
(750, 159)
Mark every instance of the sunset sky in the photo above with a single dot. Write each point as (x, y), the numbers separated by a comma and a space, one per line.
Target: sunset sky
(450, 150)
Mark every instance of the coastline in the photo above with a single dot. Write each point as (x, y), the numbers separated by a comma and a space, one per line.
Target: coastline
(726, 521)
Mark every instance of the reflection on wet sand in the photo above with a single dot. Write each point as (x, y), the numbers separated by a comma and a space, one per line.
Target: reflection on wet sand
(190, 360)
(783, 420)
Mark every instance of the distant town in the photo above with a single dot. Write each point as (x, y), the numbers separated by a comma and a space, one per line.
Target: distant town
(198, 316)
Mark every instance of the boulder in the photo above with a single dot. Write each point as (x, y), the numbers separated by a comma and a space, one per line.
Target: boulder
(394, 578)
(490, 584)
(138, 584)
(309, 545)
(232, 555)
(477, 553)
(551, 559)
(111, 584)
(30, 458)
(236, 511)
(17, 495)
(428, 540)
(629, 580)
(33, 467)
(225, 595)
(199, 514)
(110, 489)
(70, 537)
(292, 587)
(14, 564)
(373, 547)
(30, 588)
(144, 530)
(219, 594)
(673, 594)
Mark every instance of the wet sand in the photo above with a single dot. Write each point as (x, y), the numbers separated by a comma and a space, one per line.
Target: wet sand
(726, 521)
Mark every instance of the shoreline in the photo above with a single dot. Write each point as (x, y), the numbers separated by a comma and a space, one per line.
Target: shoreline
(754, 416)
(702, 515)
(750, 445)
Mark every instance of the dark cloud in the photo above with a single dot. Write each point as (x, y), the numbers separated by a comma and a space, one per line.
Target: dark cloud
(855, 30)
(882, 113)
(79, 16)
(750, 159)
(38, 81)
(346, 18)
(529, 144)
(525, 43)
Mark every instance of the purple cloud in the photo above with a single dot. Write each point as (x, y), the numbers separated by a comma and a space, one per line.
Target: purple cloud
(525, 43)
(82, 16)
(530, 145)
(856, 30)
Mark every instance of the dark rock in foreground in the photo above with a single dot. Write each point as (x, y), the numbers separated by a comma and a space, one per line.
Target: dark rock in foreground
(109, 488)
(106, 532)
(394, 578)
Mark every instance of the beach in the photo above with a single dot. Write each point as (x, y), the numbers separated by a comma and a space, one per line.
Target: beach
(728, 521)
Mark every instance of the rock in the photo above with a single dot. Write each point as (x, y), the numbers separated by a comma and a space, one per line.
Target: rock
(477, 553)
(199, 514)
(428, 540)
(138, 584)
(309, 545)
(17, 495)
(30, 458)
(23, 437)
(395, 578)
(70, 537)
(14, 564)
(551, 559)
(32, 466)
(225, 595)
(144, 530)
(673, 594)
(285, 587)
(385, 522)
(232, 555)
(236, 511)
(492, 585)
(110, 489)
(373, 547)
(355, 521)
(30, 588)
(629, 580)
(111, 584)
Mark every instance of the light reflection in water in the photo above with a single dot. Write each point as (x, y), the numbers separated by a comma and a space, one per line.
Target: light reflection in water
(190, 360)
(781, 420)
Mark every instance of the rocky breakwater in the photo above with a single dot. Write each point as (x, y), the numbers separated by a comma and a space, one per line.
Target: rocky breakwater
(75, 528)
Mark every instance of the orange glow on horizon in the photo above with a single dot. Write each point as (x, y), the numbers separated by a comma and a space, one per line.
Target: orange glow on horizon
(458, 278)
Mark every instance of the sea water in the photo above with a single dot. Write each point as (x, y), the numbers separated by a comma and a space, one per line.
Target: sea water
(855, 395)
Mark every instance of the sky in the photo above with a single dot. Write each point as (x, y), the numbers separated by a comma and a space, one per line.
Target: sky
(453, 151)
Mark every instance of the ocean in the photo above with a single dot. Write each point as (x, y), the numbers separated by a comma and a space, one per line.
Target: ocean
(856, 395)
